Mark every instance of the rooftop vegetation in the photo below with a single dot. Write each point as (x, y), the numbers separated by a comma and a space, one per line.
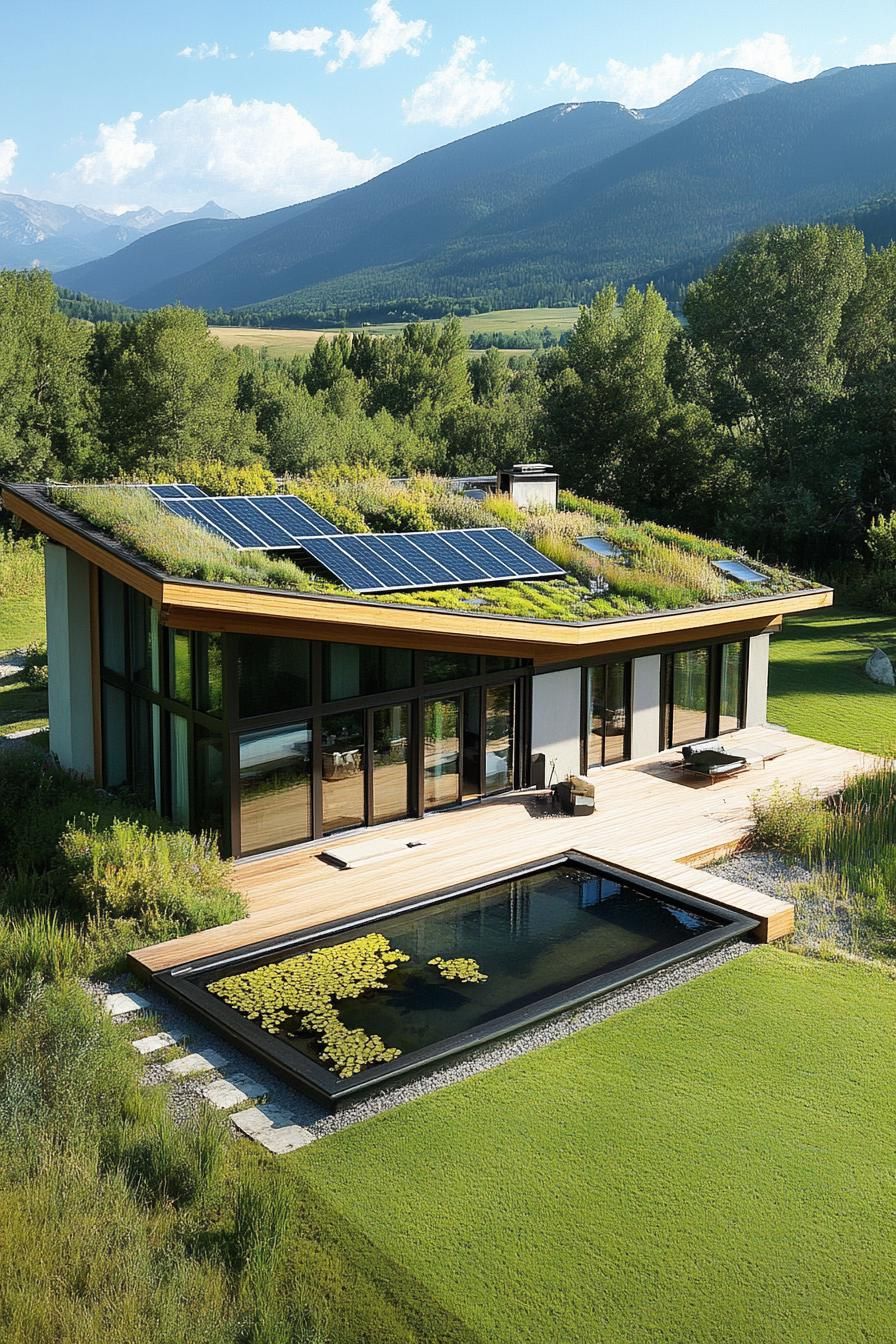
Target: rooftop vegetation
(661, 568)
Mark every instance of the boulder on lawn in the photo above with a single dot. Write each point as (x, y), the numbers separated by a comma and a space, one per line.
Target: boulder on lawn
(880, 669)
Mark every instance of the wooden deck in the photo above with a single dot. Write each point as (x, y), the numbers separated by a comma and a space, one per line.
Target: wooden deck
(651, 818)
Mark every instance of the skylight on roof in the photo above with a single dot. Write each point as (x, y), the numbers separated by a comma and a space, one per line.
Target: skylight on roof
(600, 546)
(739, 572)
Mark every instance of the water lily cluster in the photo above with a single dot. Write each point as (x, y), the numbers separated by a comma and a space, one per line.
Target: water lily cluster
(465, 969)
(305, 987)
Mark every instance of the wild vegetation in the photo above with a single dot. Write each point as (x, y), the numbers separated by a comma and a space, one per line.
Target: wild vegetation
(847, 902)
(660, 568)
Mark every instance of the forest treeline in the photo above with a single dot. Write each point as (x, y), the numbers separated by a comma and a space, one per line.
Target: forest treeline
(768, 419)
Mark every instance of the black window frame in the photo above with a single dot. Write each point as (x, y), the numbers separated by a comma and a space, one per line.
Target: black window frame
(713, 690)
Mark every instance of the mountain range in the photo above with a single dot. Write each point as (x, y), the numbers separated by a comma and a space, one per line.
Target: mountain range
(41, 233)
(542, 209)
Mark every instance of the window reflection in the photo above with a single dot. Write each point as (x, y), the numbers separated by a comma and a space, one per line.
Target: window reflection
(275, 787)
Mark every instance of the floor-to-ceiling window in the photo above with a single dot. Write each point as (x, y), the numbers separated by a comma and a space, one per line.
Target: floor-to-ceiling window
(390, 732)
(607, 695)
(162, 709)
(702, 692)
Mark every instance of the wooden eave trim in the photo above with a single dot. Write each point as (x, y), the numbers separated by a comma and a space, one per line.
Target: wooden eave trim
(103, 557)
(298, 614)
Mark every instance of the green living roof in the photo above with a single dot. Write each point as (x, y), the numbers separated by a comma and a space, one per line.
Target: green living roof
(657, 569)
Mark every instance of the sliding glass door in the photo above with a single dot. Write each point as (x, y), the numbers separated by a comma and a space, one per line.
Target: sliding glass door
(703, 692)
(468, 745)
(608, 694)
(442, 721)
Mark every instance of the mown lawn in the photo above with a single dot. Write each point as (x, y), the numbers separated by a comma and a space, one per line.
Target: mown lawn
(817, 685)
(716, 1164)
(22, 622)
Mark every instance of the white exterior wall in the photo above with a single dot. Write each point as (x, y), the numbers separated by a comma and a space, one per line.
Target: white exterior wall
(557, 722)
(645, 710)
(756, 711)
(69, 658)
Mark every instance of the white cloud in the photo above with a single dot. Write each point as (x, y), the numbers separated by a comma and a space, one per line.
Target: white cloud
(568, 77)
(8, 151)
(879, 53)
(314, 40)
(459, 92)
(207, 51)
(120, 153)
(250, 155)
(647, 85)
(387, 35)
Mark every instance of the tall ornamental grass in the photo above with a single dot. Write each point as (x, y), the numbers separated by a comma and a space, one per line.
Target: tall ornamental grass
(849, 845)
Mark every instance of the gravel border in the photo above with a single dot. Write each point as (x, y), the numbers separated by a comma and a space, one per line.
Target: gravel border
(764, 870)
(185, 1100)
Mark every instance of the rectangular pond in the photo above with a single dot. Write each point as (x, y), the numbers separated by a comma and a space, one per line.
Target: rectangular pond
(344, 1009)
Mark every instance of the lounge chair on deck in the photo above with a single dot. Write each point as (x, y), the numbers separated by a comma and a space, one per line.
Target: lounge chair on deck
(711, 760)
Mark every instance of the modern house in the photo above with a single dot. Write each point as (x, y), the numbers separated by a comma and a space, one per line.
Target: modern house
(277, 717)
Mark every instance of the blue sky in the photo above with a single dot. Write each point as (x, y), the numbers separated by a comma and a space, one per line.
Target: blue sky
(261, 104)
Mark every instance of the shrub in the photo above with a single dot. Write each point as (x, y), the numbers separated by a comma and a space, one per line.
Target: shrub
(790, 820)
(222, 478)
(35, 672)
(169, 882)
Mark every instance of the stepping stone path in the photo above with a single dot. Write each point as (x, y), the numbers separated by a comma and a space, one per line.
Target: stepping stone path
(188, 1065)
(118, 1005)
(225, 1093)
(148, 1045)
(273, 1127)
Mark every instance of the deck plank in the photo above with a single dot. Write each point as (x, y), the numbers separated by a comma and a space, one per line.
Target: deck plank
(649, 817)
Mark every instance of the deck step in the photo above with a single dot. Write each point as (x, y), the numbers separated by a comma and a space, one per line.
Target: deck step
(369, 851)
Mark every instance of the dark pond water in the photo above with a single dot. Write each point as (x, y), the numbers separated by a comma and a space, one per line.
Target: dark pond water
(533, 936)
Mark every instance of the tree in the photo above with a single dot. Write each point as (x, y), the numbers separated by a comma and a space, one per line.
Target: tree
(489, 377)
(46, 424)
(168, 390)
(614, 426)
(767, 325)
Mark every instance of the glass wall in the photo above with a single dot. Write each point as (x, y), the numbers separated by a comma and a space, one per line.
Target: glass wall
(702, 693)
(162, 701)
(607, 707)
(354, 670)
(342, 771)
(500, 723)
(272, 741)
(275, 787)
(441, 752)
(731, 687)
(390, 758)
(272, 674)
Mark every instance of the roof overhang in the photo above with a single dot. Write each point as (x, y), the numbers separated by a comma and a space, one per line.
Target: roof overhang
(197, 605)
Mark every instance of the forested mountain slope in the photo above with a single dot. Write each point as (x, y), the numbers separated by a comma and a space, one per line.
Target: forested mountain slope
(796, 152)
(397, 217)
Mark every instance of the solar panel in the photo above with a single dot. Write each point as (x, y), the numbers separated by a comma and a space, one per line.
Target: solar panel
(177, 492)
(600, 546)
(250, 522)
(741, 573)
(380, 563)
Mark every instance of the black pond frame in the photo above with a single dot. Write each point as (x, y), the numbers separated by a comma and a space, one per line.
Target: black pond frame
(326, 1087)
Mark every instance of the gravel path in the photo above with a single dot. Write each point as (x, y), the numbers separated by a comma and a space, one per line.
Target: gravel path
(185, 1100)
(763, 870)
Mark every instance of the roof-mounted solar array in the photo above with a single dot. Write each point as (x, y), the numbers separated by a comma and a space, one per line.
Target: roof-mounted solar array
(164, 492)
(600, 546)
(393, 562)
(739, 572)
(252, 522)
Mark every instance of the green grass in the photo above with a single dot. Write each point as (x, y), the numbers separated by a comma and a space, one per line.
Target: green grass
(22, 622)
(716, 1164)
(817, 685)
(289, 341)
